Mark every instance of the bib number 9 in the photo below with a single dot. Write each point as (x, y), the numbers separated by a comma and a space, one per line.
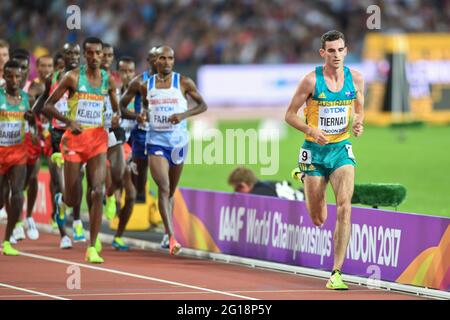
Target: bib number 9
(304, 156)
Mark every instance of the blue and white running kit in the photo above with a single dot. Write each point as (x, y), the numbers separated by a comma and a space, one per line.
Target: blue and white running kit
(164, 138)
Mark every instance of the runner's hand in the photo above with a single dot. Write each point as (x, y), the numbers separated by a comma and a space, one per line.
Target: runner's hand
(74, 127)
(29, 116)
(35, 139)
(318, 136)
(142, 117)
(133, 168)
(175, 118)
(357, 129)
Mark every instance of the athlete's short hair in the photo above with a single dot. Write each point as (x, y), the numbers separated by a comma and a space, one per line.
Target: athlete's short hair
(21, 54)
(242, 175)
(4, 44)
(11, 64)
(161, 49)
(331, 35)
(58, 56)
(94, 40)
(47, 56)
(153, 50)
(125, 59)
(70, 44)
(107, 45)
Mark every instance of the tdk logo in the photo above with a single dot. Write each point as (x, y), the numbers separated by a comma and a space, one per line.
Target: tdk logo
(334, 110)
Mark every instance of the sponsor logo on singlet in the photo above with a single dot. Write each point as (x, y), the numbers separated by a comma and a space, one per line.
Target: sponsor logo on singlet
(11, 128)
(90, 109)
(333, 120)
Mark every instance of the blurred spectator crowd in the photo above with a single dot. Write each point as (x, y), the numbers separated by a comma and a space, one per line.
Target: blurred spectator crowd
(215, 31)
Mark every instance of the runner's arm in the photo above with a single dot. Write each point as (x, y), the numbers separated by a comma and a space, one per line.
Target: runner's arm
(35, 91)
(127, 96)
(33, 130)
(68, 82)
(190, 89)
(114, 104)
(113, 97)
(144, 110)
(39, 104)
(358, 119)
(304, 90)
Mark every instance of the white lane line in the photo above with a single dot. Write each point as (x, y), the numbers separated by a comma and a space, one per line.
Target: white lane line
(119, 294)
(183, 292)
(32, 291)
(133, 275)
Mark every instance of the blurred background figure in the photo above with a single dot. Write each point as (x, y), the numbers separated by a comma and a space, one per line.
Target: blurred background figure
(219, 31)
(4, 57)
(244, 180)
(59, 62)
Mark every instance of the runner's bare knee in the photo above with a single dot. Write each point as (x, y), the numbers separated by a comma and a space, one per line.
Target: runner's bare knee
(97, 192)
(343, 211)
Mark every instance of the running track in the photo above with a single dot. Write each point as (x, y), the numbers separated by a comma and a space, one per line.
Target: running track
(41, 273)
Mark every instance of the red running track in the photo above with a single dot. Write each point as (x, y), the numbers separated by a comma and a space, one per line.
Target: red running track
(46, 272)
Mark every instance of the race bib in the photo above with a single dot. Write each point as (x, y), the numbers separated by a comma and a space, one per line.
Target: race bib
(304, 156)
(127, 124)
(112, 141)
(144, 126)
(90, 113)
(63, 108)
(108, 114)
(10, 133)
(333, 120)
(159, 118)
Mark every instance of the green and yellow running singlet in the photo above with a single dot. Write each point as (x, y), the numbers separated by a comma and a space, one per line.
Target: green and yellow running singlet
(330, 111)
(12, 121)
(87, 105)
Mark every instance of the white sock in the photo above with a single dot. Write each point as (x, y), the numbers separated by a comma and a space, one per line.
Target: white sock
(60, 202)
(77, 222)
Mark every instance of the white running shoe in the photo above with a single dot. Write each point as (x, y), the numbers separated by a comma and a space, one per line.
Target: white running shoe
(12, 240)
(65, 243)
(32, 231)
(3, 214)
(165, 242)
(19, 232)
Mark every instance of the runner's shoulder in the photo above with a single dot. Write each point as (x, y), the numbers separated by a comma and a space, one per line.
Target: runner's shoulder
(186, 81)
(137, 81)
(310, 77)
(309, 81)
(358, 77)
(73, 74)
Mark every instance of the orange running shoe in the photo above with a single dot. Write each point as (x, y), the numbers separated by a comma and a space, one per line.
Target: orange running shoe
(174, 246)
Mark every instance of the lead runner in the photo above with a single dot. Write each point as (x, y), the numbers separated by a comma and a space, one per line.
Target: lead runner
(330, 91)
